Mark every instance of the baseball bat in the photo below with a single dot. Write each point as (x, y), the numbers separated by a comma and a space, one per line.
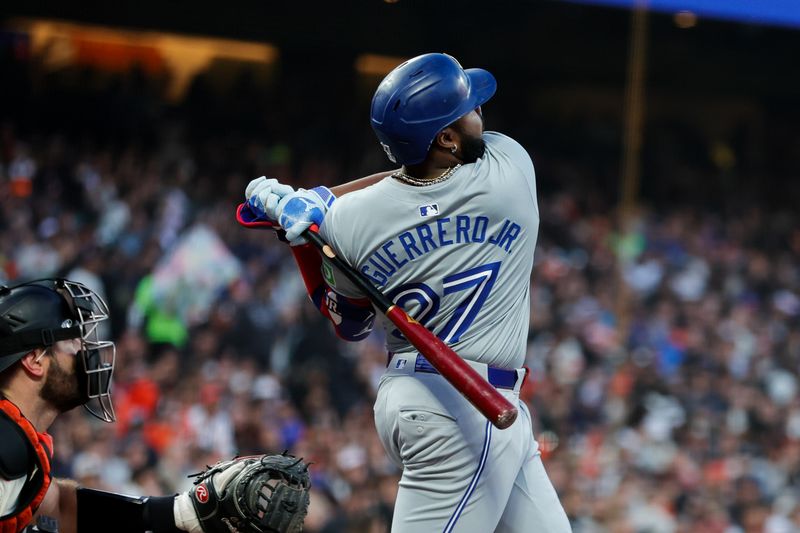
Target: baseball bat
(493, 405)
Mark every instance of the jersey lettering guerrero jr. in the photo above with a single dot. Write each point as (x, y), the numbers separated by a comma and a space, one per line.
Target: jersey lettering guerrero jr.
(457, 255)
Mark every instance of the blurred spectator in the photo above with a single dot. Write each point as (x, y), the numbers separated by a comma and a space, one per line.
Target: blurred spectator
(664, 352)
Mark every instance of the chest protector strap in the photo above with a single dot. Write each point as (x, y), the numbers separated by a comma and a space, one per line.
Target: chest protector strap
(38, 471)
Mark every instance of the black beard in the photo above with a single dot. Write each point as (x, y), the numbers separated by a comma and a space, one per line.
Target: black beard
(472, 148)
(62, 389)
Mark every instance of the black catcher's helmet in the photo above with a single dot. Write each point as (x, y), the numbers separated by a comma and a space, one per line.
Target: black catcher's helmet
(39, 313)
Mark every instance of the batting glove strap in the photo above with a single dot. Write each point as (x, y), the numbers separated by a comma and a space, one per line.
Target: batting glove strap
(325, 195)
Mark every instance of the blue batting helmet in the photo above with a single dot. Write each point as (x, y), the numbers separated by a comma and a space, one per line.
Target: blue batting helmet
(420, 98)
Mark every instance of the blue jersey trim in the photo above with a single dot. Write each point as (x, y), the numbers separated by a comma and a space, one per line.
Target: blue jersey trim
(487, 441)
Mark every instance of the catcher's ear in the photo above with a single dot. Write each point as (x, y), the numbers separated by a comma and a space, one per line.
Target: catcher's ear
(34, 363)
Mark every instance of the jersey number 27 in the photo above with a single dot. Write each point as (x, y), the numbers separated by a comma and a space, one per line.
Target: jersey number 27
(476, 282)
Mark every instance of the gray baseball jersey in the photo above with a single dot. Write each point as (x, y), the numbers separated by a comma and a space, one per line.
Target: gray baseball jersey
(456, 255)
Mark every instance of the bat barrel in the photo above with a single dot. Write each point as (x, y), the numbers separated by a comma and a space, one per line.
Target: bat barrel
(505, 418)
(480, 393)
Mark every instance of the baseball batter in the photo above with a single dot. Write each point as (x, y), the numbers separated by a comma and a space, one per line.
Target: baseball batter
(451, 238)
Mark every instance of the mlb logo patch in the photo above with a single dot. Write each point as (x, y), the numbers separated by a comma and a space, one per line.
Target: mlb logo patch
(429, 210)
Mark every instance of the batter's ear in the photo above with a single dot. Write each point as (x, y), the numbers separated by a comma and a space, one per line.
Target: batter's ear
(447, 138)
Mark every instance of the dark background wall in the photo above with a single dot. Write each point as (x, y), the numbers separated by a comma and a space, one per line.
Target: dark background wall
(715, 89)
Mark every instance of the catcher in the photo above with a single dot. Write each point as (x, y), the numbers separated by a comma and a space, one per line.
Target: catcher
(51, 361)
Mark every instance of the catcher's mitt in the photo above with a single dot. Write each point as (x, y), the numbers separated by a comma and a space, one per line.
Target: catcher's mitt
(255, 494)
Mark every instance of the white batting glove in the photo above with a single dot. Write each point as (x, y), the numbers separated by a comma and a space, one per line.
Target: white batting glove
(263, 196)
(184, 512)
(297, 211)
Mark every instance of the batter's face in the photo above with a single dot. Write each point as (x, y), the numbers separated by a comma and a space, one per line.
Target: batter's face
(63, 385)
(470, 133)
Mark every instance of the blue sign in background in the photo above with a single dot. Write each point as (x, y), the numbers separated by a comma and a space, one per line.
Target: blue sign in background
(777, 12)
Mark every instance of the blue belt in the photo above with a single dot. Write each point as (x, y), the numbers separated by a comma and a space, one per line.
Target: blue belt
(502, 378)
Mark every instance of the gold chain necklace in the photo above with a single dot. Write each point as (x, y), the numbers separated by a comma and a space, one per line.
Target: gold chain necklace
(411, 180)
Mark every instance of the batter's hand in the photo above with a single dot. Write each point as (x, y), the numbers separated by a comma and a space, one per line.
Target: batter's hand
(297, 211)
(263, 196)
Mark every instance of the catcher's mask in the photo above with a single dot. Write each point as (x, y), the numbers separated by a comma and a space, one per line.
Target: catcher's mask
(40, 313)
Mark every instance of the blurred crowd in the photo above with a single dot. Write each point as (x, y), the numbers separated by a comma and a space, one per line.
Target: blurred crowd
(665, 351)
(664, 343)
(259, 371)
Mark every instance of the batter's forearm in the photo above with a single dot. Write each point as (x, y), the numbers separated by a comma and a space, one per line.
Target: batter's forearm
(352, 318)
(360, 183)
